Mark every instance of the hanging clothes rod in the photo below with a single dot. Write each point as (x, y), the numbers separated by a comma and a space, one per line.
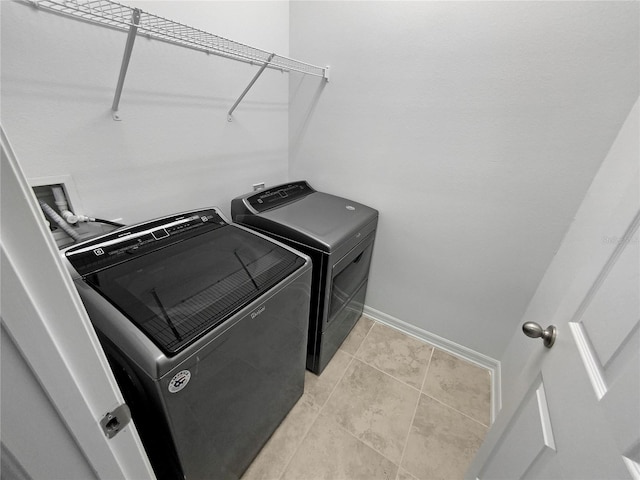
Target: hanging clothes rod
(137, 22)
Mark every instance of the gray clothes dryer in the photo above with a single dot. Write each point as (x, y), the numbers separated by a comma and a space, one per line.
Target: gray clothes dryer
(205, 324)
(338, 234)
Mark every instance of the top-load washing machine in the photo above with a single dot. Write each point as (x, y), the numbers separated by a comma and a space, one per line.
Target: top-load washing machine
(338, 234)
(205, 324)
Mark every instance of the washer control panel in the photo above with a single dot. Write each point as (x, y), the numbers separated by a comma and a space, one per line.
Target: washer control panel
(115, 247)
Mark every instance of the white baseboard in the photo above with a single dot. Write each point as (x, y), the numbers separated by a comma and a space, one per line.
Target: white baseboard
(450, 347)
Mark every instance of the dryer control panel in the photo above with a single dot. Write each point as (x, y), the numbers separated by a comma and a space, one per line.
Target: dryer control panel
(279, 195)
(118, 246)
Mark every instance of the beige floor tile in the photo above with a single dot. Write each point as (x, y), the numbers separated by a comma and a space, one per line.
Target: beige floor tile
(404, 475)
(330, 453)
(274, 456)
(397, 354)
(319, 387)
(441, 443)
(358, 332)
(374, 407)
(459, 384)
(354, 421)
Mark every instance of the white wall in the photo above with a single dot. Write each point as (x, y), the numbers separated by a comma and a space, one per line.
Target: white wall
(475, 128)
(174, 149)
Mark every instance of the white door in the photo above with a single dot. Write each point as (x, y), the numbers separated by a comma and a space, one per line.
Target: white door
(573, 410)
(43, 315)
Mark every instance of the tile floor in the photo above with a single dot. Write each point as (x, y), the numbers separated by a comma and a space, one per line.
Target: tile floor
(388, 406)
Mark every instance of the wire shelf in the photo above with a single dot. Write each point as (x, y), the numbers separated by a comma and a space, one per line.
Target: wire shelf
(119, 16)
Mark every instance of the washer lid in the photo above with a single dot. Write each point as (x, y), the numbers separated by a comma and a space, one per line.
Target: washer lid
(319, 220)
(177, 291)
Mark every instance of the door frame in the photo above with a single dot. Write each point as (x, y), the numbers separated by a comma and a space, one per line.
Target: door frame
(45, 318)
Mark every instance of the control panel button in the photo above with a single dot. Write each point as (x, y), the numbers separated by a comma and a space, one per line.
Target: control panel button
(160, 233)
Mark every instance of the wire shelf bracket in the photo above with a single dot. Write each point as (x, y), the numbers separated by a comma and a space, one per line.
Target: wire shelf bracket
(253, 80)
(134, 21)
(128, 48)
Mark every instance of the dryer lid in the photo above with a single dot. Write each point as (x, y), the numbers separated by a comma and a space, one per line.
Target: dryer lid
(319, 220)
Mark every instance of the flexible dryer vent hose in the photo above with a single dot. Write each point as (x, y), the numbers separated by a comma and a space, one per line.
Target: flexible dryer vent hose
(51, 213)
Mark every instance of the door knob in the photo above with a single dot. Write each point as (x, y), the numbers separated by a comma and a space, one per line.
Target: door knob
(534, 330)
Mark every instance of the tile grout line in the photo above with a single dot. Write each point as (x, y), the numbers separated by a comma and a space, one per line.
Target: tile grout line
(321, 408)
(455, 410)
(373, 324)
(316, 417)
(441, 401)
(415, 411)
(306, 433)
(362, 360)
(424, 380)
(338, 382)
(353, 359)
(406, 440)
(293, 454)
(420, 392)
(359, 440)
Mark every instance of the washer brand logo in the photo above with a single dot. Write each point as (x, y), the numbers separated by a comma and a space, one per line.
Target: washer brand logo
(179, 381)
(258, 311)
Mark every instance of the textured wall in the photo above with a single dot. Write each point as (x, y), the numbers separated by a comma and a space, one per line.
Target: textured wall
(174, 149)
(475, 128)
